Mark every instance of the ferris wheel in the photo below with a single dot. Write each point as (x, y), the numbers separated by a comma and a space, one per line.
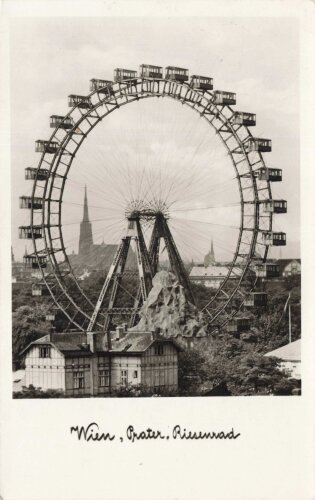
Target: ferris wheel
(150, 199)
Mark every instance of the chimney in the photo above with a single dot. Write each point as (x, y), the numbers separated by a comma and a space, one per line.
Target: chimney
(156, 333)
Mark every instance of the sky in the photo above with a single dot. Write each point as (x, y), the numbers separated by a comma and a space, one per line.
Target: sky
(258, 58)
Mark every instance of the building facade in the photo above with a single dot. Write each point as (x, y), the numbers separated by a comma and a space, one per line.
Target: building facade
(80, 364)
(212, 276)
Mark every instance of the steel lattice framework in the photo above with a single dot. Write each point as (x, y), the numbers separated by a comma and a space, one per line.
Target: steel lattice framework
(50, 177)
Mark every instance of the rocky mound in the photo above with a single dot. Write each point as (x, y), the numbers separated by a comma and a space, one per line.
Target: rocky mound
(168, 310)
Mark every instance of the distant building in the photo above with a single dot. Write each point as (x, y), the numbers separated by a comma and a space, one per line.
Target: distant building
(212, 276)
(290, 356)
(289, 267)
(81, 365)
(20, 274)
(92, 255)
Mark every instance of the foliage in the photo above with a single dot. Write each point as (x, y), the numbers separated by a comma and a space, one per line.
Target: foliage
(28, 324)
(218, 360)
(230, 363)
(32, 392)
(271, 323)
(286, 387)
(193, 370)
(140, 390)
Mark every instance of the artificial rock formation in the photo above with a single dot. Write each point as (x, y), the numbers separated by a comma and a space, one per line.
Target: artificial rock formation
(168, 311)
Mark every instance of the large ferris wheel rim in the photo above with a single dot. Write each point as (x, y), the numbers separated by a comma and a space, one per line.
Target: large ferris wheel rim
(144, 93)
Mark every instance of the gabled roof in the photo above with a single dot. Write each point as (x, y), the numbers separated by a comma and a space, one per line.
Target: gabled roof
(288, 352)
(69, 344)
(74, 343)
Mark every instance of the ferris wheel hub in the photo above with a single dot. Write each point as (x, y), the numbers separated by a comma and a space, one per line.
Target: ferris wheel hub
(146, 210)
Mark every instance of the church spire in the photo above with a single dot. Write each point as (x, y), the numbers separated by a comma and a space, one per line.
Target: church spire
(85, 208)
(86, 237)
(209, 259)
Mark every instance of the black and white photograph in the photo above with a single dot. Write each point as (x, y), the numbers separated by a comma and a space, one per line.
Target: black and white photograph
(156, 263)
(155, 209)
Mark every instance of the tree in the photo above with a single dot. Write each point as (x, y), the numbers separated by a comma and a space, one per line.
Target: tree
(231, 363)
(192, 370)
(28, 324)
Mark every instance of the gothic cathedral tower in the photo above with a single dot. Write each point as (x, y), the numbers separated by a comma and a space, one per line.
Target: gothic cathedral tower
(210, 258)
(86, 237)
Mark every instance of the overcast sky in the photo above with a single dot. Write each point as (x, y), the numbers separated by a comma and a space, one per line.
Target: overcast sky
(256, 58)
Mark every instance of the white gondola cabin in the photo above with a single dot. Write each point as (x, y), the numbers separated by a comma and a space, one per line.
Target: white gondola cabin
(102, 86)
(36, 290)
(255, 144)
(237, 325)
(269, 174)
(29, 232)
(46, 146)
(61, 122)
(80, 101)
(224, 97)
(275, 206)
(267, 270)
(35, 262)
(274, 239)
(40, 174)
(201, 82)
(256, 299)
(242, 118)
(176, 74)
(29, 202)
(39, 289)
(121, 74)
(50, 316)
(149, 71)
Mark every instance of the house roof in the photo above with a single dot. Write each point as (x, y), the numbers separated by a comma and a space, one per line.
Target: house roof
(70, 344)
(288, 352)
(74, 343)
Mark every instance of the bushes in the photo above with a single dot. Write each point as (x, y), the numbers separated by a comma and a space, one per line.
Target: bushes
(32, 392)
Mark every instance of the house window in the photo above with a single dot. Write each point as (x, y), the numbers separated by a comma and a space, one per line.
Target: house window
(124, 377)
(158, 350)
(104, 378)
(78, 380)
(44, 352)
(156, 378)
(135, 374)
